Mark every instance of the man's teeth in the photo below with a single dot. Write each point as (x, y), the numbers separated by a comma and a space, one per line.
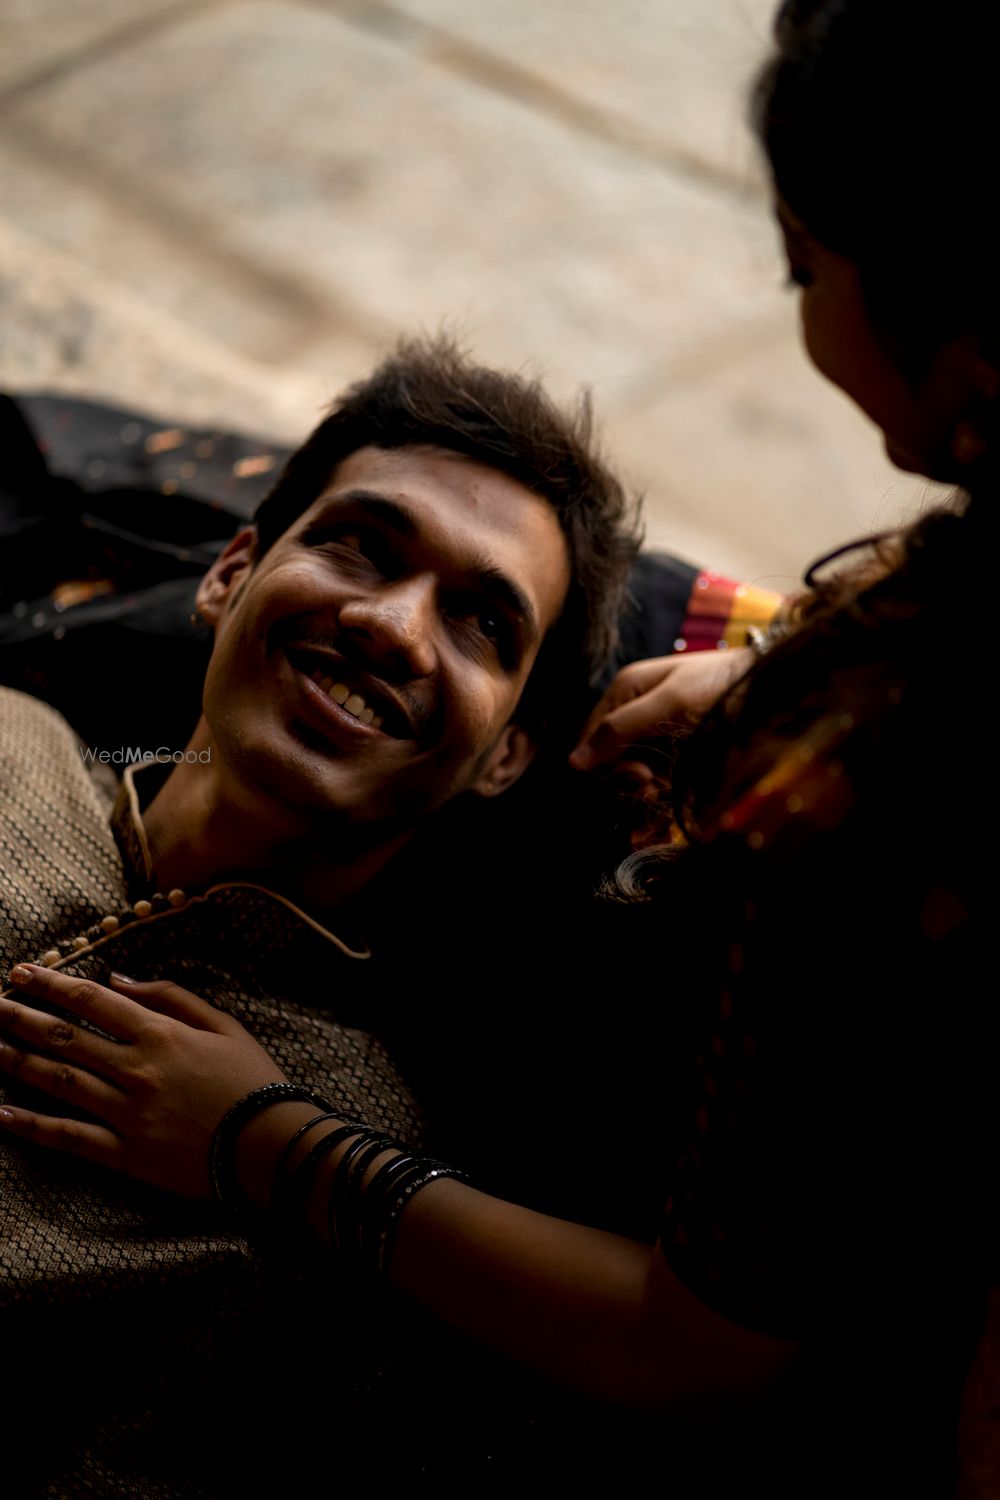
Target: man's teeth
(352, 702)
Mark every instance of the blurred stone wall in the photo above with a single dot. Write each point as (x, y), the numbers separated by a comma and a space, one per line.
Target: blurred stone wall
(222, 210)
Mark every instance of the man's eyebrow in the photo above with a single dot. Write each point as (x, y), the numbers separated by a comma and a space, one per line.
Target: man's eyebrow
(492, 580)
(393, 515)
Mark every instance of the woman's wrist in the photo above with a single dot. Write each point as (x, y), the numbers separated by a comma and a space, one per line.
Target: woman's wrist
(346, 1182)
(260, 1144)
(264, 1164)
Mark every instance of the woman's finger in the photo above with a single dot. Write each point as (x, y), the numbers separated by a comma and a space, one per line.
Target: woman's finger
(165, 998)
(126, 1015)
(41, 1032)
(683, 691)
(640, 719)
(76, 1086)
(633, 682)
(76, 1137)
(85, 998)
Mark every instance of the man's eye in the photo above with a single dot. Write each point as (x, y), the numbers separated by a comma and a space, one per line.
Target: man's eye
(329, 536)
(351, 541)
(481, 624)
(489, 624)
(351, 553)
(493, 626)
(352, 546)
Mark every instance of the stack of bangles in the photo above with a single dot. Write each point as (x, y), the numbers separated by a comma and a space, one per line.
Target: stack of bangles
(761, 639)
(362, 1216)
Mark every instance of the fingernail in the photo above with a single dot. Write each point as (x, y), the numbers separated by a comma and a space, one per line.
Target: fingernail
(7, 1116)
(21, 975)
(123, 979)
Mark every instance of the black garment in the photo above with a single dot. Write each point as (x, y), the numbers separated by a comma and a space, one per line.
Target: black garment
(101, 506)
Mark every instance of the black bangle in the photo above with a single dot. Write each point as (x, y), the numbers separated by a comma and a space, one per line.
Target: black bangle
(377, 1191)
(294, 1195)
(381, 1190)
(345, 1205)
(342, 1180)
(222, 1149)
(281, 1166)
(384, 1199)
(403, 1190)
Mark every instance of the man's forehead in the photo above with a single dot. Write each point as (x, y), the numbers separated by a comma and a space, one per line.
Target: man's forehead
(433, 478)
(472, 511)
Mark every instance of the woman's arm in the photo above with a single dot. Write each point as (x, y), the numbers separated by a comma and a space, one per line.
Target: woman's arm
(597, 1313)
(592, 1311)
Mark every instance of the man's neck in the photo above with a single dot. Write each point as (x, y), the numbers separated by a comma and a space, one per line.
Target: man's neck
(203, 827)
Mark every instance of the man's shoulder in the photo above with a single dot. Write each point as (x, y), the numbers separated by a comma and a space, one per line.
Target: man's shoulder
(37, 742)
(20, 712)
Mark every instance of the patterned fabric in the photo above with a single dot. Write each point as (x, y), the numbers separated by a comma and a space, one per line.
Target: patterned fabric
(721, 610)
(155, 1323)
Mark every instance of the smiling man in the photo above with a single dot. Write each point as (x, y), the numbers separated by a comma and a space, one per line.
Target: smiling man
(434, 579)
(366, 670)
(429, 587)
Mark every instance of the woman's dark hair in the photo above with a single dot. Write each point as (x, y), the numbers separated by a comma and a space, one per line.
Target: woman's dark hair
(878, 119)
(429, 393)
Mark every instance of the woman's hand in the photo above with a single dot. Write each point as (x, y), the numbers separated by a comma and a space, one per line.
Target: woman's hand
(156, 1090)
(654, 697)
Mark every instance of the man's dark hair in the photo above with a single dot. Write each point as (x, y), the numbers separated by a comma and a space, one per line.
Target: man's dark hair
(429, 393)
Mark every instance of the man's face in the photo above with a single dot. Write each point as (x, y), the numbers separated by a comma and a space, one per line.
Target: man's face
(369, 665)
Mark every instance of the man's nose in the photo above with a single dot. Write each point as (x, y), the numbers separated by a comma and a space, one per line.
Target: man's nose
(394, 625)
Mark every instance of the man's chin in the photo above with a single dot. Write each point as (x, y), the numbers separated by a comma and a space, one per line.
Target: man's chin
(306, 794)
(295, 779)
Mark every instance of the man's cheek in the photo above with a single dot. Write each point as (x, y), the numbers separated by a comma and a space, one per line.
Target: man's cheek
(484, 728)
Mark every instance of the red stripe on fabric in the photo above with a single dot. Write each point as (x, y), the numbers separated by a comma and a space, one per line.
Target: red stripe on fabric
(709, 607)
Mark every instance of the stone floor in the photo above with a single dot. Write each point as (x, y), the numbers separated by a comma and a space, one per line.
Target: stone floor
(223, 210)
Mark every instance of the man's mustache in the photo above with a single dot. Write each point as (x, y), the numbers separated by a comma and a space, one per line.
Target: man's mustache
(418, 706)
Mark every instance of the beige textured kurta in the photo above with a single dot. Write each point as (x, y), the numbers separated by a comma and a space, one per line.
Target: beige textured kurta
(134, 1327)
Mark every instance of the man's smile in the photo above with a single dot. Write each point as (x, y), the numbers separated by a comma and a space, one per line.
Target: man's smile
(368, 663)
(353, 698)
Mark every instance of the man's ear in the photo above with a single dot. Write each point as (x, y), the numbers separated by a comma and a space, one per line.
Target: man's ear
(230, 568)
(509, 759)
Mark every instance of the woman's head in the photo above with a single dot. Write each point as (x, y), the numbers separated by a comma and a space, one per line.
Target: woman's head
(878, 119)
